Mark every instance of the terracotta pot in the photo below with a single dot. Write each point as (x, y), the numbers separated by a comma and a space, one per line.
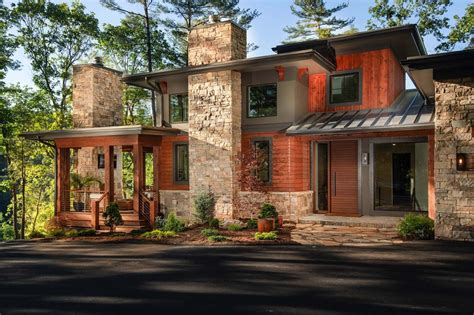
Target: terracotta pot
(265, 225)
(280, 220)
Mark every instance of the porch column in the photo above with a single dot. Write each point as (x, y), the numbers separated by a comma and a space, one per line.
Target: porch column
(138, 174)
(156, 183)
(109, 172)
(63, 183)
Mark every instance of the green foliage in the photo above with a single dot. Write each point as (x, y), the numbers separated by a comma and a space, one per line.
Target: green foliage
(8, 43)
(86, 232)
(316, 20)
(461, 31)
(416, 226)
(252, 224)
(138, 232)
(6, 231)
(112, 216)
(204, 204)
(83, 182)
(209, 232)
(214, 223)
(217, 238)
(268, 211)
(56, 233)
(71, 233)
(235, 227)
(159, 234)
(36, 234)
(173, 223)
(160, 222)
(266, 236)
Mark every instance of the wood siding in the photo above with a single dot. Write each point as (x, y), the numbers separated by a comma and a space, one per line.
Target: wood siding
(166, 163)
(383, 79)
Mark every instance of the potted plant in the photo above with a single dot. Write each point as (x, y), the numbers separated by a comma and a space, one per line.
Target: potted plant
(112, 216)
(79, 182)
(266, 218)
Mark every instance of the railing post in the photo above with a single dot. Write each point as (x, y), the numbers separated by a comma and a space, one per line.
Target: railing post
(152, 214)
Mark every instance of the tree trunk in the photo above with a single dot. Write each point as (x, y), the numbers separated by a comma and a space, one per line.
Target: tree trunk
(23, 196)
(37, 211)
(149, 59)
(15, 212)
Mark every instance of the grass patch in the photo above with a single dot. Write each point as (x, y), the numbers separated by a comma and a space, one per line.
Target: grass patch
(266, 236)
(56, 233)
(158, 234)
(36, 234)
(235, 227)
(209, 232)
(217, 238)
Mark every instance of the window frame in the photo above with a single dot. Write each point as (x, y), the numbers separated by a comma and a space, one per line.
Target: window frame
(170, 112)
(175, 164)
(101, 158)
(270, 156)
(329, 88)
(248, 98)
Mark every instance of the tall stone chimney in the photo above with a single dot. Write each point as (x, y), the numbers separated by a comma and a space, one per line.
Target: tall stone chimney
(215, 113)
(96, 102)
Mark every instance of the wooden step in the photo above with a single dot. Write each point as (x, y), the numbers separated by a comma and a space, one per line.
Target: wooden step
(123, 228)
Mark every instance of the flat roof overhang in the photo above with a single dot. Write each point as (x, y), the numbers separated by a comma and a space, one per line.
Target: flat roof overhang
(424, 69)
(310, 59)
(52, 135)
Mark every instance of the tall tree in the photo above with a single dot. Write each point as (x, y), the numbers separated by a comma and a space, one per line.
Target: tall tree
(462, 31)
(54, 37)
(186, 14)
(8, 44)
(429, 15)
(316, 20)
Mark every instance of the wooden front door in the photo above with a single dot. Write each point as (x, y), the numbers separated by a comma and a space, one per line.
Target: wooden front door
(344, 178)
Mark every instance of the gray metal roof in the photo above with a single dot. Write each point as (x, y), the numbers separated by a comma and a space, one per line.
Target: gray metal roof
(409, 111)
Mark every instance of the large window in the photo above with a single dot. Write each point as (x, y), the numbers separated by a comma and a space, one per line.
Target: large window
(181, 163)
(262, 100)
(263, 155)
(401, 176)
(344, 88)
(178, 108)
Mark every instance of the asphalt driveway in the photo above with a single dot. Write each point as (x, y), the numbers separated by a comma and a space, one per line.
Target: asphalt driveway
(139, 278)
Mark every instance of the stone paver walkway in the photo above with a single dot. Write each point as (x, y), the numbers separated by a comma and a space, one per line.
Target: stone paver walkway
(338, 235)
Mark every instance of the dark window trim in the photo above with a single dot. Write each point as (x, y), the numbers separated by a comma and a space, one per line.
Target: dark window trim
(247, 105)
(328, 88)
(270, 149)
(169, 108)
(175, 145)
(100, 166)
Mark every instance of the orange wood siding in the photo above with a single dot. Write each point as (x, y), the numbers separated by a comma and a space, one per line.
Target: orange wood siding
(166, 163)
(383, 79)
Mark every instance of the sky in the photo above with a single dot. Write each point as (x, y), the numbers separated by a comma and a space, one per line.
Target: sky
(266, 31)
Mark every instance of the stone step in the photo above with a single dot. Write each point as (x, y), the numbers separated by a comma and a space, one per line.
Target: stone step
(364, 221)
(123, 228)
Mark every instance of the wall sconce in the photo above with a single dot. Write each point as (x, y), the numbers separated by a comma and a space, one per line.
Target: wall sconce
(365, 158)
(461, 164)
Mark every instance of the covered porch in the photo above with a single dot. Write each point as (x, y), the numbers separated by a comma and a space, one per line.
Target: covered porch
(94, 155)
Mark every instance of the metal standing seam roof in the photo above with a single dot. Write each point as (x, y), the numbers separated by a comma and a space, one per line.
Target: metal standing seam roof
(409, 111)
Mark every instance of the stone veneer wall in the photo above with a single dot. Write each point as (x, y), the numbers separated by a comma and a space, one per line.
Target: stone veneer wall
(215, 136)
(453, 134)
(176, 201)
(217, 42)
(97, 102)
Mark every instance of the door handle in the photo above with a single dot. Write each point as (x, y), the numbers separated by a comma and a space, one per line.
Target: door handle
(335, 184)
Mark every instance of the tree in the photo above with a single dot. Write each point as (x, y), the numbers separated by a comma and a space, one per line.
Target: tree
(462, 31)
(8, 44)
(429, 15)
(54, 37)
(316, 20)
(187, 14)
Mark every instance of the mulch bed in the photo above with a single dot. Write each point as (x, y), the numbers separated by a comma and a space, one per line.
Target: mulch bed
(192, 236)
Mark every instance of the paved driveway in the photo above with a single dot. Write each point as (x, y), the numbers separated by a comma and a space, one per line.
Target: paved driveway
(138, 278)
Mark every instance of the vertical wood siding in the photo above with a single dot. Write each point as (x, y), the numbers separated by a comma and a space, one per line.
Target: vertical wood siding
(166, 163)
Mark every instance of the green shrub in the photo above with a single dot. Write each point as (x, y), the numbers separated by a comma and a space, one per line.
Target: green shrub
(209, 232)
(138, 232)
(158, 234)
(172, 223)
(252, 224)
(6, 231)
(86, 232)
(268, 211)
(71, 233)
(416, 226)
(56, 233)
(160, 222)
(36, 234)
(204, 205)
(235, 227)
(266, 236)
(217, 238)
(214, 223)
(112, 216)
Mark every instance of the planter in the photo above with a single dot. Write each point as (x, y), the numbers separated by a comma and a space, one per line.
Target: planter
(280, 221)
(266, 225)
(78, 206)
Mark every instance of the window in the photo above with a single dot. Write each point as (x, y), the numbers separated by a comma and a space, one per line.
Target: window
(181, 163)
(101, 161)
(262, 101)
(263, 156)
(401, 176)
(178, 108)
(344, 88)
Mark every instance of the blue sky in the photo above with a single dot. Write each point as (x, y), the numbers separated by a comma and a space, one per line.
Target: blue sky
(266, 31)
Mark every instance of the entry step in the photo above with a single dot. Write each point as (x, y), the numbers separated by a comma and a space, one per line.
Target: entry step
(364, 221)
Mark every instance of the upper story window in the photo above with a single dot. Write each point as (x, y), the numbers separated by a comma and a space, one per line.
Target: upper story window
(181, 163)
(178, 108)
(344, 88)
(262, 100)
(263, 155)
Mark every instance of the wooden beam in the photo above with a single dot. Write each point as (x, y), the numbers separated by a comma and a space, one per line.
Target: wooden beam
(137, 175)
(63, 182)
(281, 73)
(109, 171)
(156, 182)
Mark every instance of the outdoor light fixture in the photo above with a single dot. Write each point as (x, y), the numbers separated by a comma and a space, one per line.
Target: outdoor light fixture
(461, 164)
(365, 158)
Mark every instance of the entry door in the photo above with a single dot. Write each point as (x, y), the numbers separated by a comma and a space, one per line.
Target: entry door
(344, 178)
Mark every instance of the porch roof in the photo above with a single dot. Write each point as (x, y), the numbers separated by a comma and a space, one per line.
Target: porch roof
(409, 112)
(49, 135)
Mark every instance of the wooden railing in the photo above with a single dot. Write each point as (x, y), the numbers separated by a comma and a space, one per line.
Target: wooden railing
(78, 200)
(96, 209)
(147, 207)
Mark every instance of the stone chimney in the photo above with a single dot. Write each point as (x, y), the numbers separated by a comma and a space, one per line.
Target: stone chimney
(215, 114)
(96, 96)
(216, 42)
